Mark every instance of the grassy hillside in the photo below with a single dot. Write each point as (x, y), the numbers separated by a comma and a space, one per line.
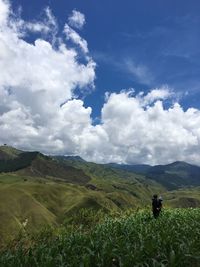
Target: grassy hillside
(51, 191)
(7, 152)
(44, 201)
(105, 175)
(183, 198)
(171, 176)
(175, 175)
(42, 166)
(38, 165)
(40, 201)
(39, 190)
(137, 168)
(126, 239)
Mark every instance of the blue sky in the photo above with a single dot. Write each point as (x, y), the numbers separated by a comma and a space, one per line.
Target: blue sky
(110, 81)
(160, 39)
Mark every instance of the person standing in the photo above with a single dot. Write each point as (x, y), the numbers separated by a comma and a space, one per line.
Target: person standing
(156, 205)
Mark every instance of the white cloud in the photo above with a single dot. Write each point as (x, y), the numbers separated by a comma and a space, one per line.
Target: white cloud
(77, 19)
(47, 25)
(36, 78)
(150, 134)
(38, 110)
(75, 38)
(162, 93)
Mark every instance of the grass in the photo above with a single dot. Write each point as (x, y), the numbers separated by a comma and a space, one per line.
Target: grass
(10, 151)
(126, 239)
(54, 215)
(183, 198)
(51, 202)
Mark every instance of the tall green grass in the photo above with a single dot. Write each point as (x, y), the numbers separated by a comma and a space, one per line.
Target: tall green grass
(126, 239)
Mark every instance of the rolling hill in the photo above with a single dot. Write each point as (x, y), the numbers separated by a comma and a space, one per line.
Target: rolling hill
(47, 191)
(137, 168)
(7, 152)
(172, 176)
(38, 165)
(43, 190)
(181, 190)
(175, 175)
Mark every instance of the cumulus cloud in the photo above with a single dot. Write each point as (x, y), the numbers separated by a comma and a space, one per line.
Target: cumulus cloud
(39, 111)
(77, 19)
(36, 79)
(150, 134)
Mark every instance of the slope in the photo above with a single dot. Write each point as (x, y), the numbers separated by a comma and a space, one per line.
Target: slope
(35, 196)
(175, 175)
(40, 201)
(49, 191)
(115, 181)
(38, 165)
(172, 176)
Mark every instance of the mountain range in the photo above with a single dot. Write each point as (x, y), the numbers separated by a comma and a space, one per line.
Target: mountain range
(49, 189)
(175, 175)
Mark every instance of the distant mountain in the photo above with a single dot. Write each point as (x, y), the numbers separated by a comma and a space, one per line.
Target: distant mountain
(109, 179)
(38, 165)
(175, 175)
(75, 169)
(69, 158)
(137, 168)
(172, 176)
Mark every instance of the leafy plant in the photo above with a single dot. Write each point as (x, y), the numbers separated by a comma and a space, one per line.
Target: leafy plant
(125, 239)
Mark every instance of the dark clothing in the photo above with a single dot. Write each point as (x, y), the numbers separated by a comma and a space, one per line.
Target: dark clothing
(156, 207)
(156, 213)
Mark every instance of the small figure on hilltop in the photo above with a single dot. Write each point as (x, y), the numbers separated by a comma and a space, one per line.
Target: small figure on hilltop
(156, 205)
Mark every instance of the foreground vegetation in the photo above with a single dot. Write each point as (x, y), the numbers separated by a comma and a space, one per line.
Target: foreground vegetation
(125, 239)
(48, 201)
(84, 209)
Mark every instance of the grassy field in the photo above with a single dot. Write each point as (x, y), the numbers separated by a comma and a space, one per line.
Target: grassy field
(50, 202)
(41, 201)
(183, 198)
(125, 239)
(86, 216)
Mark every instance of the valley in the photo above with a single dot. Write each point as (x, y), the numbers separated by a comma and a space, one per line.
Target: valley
(42, 190)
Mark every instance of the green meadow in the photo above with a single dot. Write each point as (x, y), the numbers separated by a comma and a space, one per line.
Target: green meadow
(131, 238)
(69, 212)
(50, 202)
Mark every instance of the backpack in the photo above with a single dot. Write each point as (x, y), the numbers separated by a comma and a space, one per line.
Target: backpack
(156, 204)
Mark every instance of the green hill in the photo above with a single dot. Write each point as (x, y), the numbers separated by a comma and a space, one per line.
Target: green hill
(183, 198)
(108, 179)
(38, 165)
(175, 175)
(172, 176)
(40, 190)
(41, 201)
(137, 168)
(7, 152)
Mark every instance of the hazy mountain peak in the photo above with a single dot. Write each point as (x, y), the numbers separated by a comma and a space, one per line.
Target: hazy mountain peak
(8, 152)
